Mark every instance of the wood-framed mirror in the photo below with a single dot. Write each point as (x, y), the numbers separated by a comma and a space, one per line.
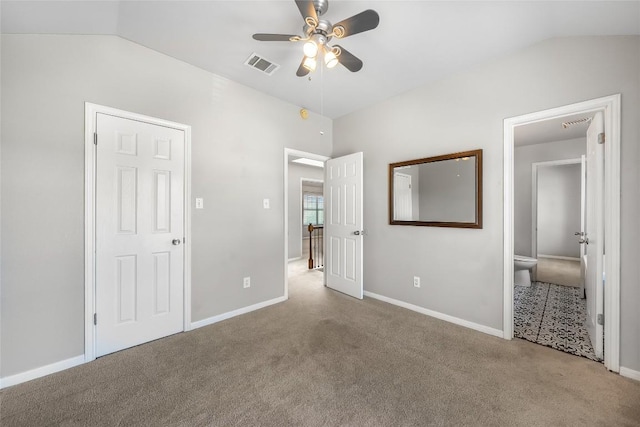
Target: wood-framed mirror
(440, 191)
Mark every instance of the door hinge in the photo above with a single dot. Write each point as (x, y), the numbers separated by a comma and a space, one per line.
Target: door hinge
(600, 319)
(601, 138)
(95, 318)
(95, 138)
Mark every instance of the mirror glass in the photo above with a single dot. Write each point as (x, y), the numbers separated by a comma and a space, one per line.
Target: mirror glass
(442, 191)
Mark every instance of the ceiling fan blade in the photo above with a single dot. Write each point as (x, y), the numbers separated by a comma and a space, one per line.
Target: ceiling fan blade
(363, 21)
(273, 37)
(302, 70)
(350, 62)
(307, 9)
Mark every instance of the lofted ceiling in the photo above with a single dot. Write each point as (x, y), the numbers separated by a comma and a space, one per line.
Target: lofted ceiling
(417, 42)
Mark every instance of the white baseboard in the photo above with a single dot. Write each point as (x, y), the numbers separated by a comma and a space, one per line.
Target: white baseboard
(294, 259)
(234, 313)
(437, 315)
(630, 373)
(41, 371)
(566, 258)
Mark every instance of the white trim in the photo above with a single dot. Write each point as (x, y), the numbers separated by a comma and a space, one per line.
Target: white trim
(565, 258)
(534, 198)
(507, 214)
(630, 373)
(610, 105)
(41, 371)
(291, 152)
(91, 111)
(437, 315)
(234, 313)
(612, 234)
(294, 259)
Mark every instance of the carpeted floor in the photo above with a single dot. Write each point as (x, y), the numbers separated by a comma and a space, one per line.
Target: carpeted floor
(554, 316)
(558, 271)
(325, 359)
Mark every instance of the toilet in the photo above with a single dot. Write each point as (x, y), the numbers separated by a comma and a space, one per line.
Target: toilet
(522, 269)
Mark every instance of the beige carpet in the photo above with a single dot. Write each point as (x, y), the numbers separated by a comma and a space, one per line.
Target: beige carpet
(325, 359)
(558, 271)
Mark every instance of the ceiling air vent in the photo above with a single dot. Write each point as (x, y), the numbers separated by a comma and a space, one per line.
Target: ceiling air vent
(565, 125)
(261, 64)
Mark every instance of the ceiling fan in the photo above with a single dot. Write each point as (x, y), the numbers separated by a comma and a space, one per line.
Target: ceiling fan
(318, 32)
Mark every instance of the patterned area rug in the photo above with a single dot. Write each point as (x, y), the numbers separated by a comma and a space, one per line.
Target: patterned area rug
(554, 316)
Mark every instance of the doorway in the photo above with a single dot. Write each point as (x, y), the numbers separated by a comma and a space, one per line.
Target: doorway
(303, 175)
(610, 200)
(137, 229)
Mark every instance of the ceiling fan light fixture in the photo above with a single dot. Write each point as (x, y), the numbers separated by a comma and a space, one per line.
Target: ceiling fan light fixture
(309, 63)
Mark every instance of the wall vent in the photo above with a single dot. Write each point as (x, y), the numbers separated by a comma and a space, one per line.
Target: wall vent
(259, 63)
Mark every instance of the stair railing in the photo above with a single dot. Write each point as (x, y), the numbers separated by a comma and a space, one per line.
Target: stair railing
(316, 246)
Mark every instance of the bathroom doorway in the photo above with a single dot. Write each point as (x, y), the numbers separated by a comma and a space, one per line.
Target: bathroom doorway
(608, 198)
(551, 310)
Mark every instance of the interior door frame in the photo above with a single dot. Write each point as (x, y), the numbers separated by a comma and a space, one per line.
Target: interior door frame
(610, 106)
(91, 112)
(534, 196)
(287, 153)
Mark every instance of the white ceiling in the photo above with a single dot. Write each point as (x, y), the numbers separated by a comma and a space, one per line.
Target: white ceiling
(417, 42)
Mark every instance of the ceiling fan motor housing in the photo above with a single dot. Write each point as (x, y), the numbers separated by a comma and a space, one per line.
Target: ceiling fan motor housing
(321, 32)
(321, 6)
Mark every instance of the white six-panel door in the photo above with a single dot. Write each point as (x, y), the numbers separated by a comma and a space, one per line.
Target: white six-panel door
(343, 224)
(595, 234)
(139, 232)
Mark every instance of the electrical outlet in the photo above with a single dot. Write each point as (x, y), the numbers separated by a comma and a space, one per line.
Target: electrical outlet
(246, 282)
(416, 282)
(265, 203)
(199, 203)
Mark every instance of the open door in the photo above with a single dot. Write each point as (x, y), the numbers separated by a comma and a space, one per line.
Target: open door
(594, 235)
(402, 200)
(343, 224)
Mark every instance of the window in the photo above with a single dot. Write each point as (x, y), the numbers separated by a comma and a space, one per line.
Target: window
(312, 209)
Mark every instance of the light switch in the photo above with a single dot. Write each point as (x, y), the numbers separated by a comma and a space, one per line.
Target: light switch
(265, 203)
(199, 203)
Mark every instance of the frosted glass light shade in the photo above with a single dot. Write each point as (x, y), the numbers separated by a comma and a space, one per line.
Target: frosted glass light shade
(310, 49)
(330, 59)
(309, 63)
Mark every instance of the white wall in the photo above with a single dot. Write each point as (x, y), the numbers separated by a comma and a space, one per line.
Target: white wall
(238, 137)
(559, 190)
(523, 158)
(296, 173)
(461, 269)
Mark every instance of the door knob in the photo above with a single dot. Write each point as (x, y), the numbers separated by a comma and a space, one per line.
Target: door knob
(578, 233)
(585, 240)
(176, 241)
(357, 233)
